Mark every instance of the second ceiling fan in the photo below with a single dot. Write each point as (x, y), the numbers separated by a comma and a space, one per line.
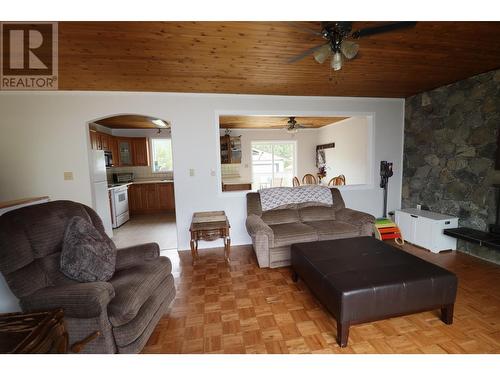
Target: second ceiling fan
(339, 44)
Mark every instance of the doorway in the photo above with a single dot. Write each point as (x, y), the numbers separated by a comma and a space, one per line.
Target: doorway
(134, 195)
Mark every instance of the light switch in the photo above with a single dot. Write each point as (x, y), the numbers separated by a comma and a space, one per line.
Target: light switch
(68, 176)
(191, 172)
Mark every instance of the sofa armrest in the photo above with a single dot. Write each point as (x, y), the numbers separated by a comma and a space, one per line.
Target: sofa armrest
(354, 217)
(255, 225)
(80, 300)
(130, 256)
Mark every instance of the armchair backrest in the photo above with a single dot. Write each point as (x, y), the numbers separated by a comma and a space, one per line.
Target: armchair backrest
(31, 241)
(254, 205)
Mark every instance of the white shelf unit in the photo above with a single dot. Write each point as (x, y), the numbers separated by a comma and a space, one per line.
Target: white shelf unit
(425, 229)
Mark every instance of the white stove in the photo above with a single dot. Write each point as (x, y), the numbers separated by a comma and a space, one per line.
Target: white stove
(119, 205)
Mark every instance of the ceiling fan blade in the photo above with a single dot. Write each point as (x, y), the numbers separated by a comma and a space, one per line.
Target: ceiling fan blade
(382, 29)
(302, 28)
(306, 53)
(349, 49)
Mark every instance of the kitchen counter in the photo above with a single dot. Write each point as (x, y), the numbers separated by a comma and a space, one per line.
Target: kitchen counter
(163, 181)
(236, 184)
(235, 181)
(136, 182)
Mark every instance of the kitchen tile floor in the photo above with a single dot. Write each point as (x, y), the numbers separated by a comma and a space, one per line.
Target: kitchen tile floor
(160, 228)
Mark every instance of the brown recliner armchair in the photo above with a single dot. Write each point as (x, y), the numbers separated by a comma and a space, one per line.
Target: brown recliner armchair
(124, 310)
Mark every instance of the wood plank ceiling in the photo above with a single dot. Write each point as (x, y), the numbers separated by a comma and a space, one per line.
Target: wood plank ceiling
(273, 122)
(251, 58)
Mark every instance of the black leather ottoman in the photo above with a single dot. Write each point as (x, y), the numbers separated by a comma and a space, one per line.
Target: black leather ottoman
(363, 279)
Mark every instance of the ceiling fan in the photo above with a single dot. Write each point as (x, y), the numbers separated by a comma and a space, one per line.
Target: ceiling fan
(339, 42)
(292, 126)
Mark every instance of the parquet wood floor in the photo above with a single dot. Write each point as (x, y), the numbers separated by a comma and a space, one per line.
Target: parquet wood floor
(240, 308)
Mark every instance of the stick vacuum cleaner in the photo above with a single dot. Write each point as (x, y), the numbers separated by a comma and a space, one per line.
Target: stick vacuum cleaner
(385, 173)
(385, 229)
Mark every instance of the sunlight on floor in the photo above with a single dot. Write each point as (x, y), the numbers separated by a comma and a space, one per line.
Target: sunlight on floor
(160, 228)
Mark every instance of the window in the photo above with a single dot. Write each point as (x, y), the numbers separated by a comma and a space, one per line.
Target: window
(273, 164)
(161, 155)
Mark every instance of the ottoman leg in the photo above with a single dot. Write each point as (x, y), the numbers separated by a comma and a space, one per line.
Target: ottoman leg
(342, 334)
(295, 276)
(447, 314)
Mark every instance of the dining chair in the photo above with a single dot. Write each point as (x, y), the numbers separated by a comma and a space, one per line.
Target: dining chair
(277, 182)
(309, 179)
(335, 181)
(296, 181)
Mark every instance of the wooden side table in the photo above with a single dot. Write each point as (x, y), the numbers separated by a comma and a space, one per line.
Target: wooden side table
(33, 333)
(209, 226)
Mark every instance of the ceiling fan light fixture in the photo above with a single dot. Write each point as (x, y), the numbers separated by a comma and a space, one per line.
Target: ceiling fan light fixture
(292, 130)
(336, 61)
(321, 54)
(349, 49)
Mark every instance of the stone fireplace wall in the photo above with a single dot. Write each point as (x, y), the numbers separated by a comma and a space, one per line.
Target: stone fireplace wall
(449, 153)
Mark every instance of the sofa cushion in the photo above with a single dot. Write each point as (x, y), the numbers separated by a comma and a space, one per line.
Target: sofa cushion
(280, 216)
(287, 234)
(325, 227)
(133, 286)
(85, 255)
(315, 213)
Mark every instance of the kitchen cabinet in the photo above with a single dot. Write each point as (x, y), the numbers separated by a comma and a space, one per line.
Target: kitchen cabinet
(140, 151)
(236, 187)
(105, 138)
(113, 147)
(151, 197)
(125, 152)
(100, 141)
(94, 140)
(425, 229)
(166, 196)
(230, 149)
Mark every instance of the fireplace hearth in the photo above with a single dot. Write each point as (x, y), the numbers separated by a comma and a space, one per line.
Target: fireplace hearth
(489, 239)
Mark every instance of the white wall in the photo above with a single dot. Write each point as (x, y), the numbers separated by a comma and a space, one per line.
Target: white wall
(306, 141)
(351, 152)
(44, 134)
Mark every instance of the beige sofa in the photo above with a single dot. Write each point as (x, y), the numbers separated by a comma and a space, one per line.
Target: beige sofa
(274, 231)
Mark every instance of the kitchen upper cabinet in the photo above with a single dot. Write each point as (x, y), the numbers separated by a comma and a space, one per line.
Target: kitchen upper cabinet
(100, 141)
(125, 151)
(230, 150)
(94, 140)
(113, 147)
(140, 151)
(105, 141)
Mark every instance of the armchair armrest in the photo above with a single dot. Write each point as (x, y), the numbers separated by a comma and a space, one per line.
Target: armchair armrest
(354, 217)
(80, 300)
(255, 225)
(129, 256)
